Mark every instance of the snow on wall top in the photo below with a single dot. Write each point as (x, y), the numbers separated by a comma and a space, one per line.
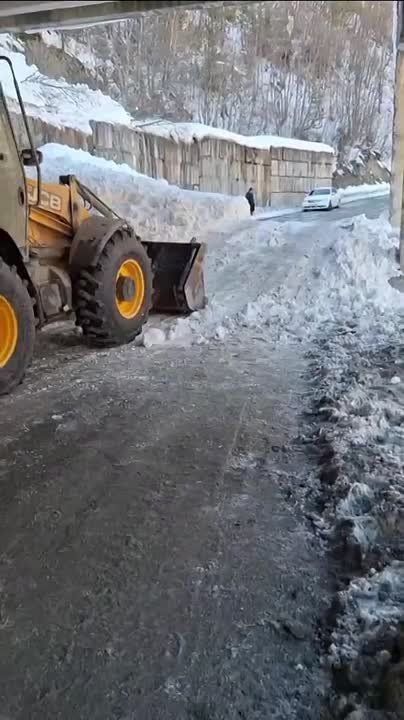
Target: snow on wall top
(56, 101)
(193, 132)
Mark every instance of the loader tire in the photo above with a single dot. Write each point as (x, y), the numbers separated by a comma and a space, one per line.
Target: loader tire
(17, 328)
(112, 300)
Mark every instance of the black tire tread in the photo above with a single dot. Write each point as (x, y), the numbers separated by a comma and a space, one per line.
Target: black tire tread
(13, 374)
(91, 301)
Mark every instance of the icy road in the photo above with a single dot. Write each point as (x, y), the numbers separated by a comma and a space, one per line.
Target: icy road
(371, 207)
(159, 506)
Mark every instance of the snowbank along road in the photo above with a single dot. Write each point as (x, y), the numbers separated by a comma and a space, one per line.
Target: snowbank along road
(164, 524)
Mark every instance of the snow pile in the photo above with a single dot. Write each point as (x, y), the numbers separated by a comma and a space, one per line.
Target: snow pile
(157, 210)
(358, 192)
(356, 264)
(372, 600)
(368, 641)
(359, 402)
(274, 280)
(56, 101)
(360, 405)
(196, 132)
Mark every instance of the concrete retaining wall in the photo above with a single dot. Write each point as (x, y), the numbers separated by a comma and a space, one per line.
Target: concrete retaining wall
(279, 176)
(295, 172)
(212, 165)
(43, 132)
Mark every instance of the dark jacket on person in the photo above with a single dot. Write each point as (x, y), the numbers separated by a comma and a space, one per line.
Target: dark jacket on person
(251, 200)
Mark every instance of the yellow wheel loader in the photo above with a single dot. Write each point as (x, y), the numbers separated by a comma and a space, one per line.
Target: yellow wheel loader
(63, 251)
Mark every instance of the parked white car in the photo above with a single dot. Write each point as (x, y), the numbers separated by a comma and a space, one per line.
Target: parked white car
(324, 198)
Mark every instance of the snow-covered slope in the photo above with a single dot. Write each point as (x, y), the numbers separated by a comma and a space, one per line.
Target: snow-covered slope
(71, 47)
(74, 105)
(55, 101)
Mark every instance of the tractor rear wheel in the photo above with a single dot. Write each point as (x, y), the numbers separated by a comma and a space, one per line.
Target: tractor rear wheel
(112, 300)
(17, 328)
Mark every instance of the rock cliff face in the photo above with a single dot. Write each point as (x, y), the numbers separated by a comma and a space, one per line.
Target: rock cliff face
(362, 165)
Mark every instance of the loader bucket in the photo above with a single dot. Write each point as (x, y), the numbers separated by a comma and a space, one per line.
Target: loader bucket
(178, 282)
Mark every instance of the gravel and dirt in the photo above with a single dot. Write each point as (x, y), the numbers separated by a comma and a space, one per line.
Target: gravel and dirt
(154, 562)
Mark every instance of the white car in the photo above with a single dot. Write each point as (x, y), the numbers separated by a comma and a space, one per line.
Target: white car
(324, 198)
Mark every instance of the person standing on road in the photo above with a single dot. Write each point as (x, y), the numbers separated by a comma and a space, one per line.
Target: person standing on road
(251, 200)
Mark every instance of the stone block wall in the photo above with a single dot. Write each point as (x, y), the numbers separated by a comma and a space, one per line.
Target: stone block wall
(295, 172)
(212, 165)
(43, 132)
(279, 176)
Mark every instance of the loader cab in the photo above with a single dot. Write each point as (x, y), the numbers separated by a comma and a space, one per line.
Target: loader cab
(13, 190)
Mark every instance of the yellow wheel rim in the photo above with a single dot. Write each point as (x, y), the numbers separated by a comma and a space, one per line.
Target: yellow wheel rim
(8, 331)
(129, 289)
